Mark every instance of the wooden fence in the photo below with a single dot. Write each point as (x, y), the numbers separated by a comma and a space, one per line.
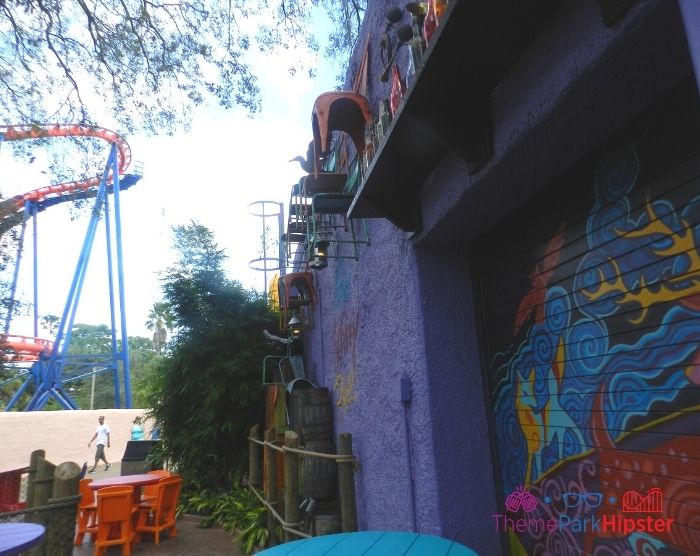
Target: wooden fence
(52, 500)
(291, 521)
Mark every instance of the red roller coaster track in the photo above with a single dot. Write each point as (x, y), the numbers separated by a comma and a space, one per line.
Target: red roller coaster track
(19, 132)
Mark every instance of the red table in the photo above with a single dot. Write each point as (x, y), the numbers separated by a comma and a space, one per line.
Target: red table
(18, 537)
(137, 481)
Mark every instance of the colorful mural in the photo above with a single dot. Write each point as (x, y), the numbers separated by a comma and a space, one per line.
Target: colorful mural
(596, 399)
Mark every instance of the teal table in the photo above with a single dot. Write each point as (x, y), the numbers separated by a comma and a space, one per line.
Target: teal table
(372, 543)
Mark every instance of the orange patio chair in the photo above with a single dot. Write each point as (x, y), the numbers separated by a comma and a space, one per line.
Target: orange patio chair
(158, 515)
(150, 492)
(87, 512)
(115, 519)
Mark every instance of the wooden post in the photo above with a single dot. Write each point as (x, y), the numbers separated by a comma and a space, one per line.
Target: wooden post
(346, 484)
(254, 465)
(43, 482)
(33, 463)
(43, 487)
(61, 522)
(291, 482)
(65, 480)
(271, 493)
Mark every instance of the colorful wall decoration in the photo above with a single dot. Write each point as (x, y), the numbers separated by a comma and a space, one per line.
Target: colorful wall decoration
(596, 395)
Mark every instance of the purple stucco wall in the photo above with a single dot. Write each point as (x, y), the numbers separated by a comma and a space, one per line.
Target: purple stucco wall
(577, 84)
(403, 314)
(406, 309)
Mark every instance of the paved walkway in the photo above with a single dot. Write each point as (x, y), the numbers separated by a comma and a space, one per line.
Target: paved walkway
(191, 540)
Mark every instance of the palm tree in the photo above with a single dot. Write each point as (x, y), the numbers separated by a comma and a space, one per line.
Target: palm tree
(160, 320)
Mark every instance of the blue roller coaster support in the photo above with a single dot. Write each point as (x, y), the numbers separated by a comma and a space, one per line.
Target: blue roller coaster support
(47, 373)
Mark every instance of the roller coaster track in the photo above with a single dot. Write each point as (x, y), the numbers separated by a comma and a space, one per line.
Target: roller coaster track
(11, 209)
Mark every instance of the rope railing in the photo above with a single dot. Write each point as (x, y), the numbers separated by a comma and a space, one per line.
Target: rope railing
(288, 527)
(339, 458)
(291, 521)
(271, 508)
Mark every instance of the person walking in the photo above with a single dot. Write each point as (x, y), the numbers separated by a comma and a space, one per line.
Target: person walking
(102, 436)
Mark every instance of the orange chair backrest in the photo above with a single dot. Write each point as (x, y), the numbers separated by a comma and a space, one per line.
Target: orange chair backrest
(168, 494)
(152, 490)
(114, 504)
(88, 494)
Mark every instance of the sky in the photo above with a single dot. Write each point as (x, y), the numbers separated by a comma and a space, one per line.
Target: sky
(210, 174)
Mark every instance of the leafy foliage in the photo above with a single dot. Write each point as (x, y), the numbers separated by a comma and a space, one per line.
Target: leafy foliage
(148, 63)
(238, 511)
(207, 389)
(88, 339)
(346, 19)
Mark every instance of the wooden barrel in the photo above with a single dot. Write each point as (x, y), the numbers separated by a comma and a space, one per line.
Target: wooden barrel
(327, 524)
(312, 414)
(319, 476)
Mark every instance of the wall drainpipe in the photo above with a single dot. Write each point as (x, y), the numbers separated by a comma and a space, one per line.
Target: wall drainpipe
(321, 382)
(405, 399)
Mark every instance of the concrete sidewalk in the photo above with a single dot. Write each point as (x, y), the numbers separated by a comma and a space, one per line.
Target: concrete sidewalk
(115, 469)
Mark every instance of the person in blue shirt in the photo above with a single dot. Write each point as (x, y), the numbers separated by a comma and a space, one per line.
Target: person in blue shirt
(137, 429)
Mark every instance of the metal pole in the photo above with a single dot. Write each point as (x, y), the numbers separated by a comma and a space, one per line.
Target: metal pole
(113, 324)
(92, 392)
(264, 242)
(280, 245)
(120, 276)
(15, 277)
(35, 231)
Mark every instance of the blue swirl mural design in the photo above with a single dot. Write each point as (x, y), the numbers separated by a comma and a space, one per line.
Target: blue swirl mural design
(614, 342)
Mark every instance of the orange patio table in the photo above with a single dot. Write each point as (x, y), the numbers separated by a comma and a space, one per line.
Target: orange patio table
(137, 481)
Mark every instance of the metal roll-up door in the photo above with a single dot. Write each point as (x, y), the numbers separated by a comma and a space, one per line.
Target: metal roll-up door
(589, 298)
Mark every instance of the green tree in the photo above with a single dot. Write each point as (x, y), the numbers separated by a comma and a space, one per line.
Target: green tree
(142, 358)
(146, 62)
(97, 390)
(49, 323)
(93, 390)
(208, 390)
(160, 320)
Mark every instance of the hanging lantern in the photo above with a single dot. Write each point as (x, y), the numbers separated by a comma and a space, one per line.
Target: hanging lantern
(319, 258)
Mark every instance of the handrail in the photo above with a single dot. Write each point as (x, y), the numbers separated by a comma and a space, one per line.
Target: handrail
(339, 458)
(291, 519)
